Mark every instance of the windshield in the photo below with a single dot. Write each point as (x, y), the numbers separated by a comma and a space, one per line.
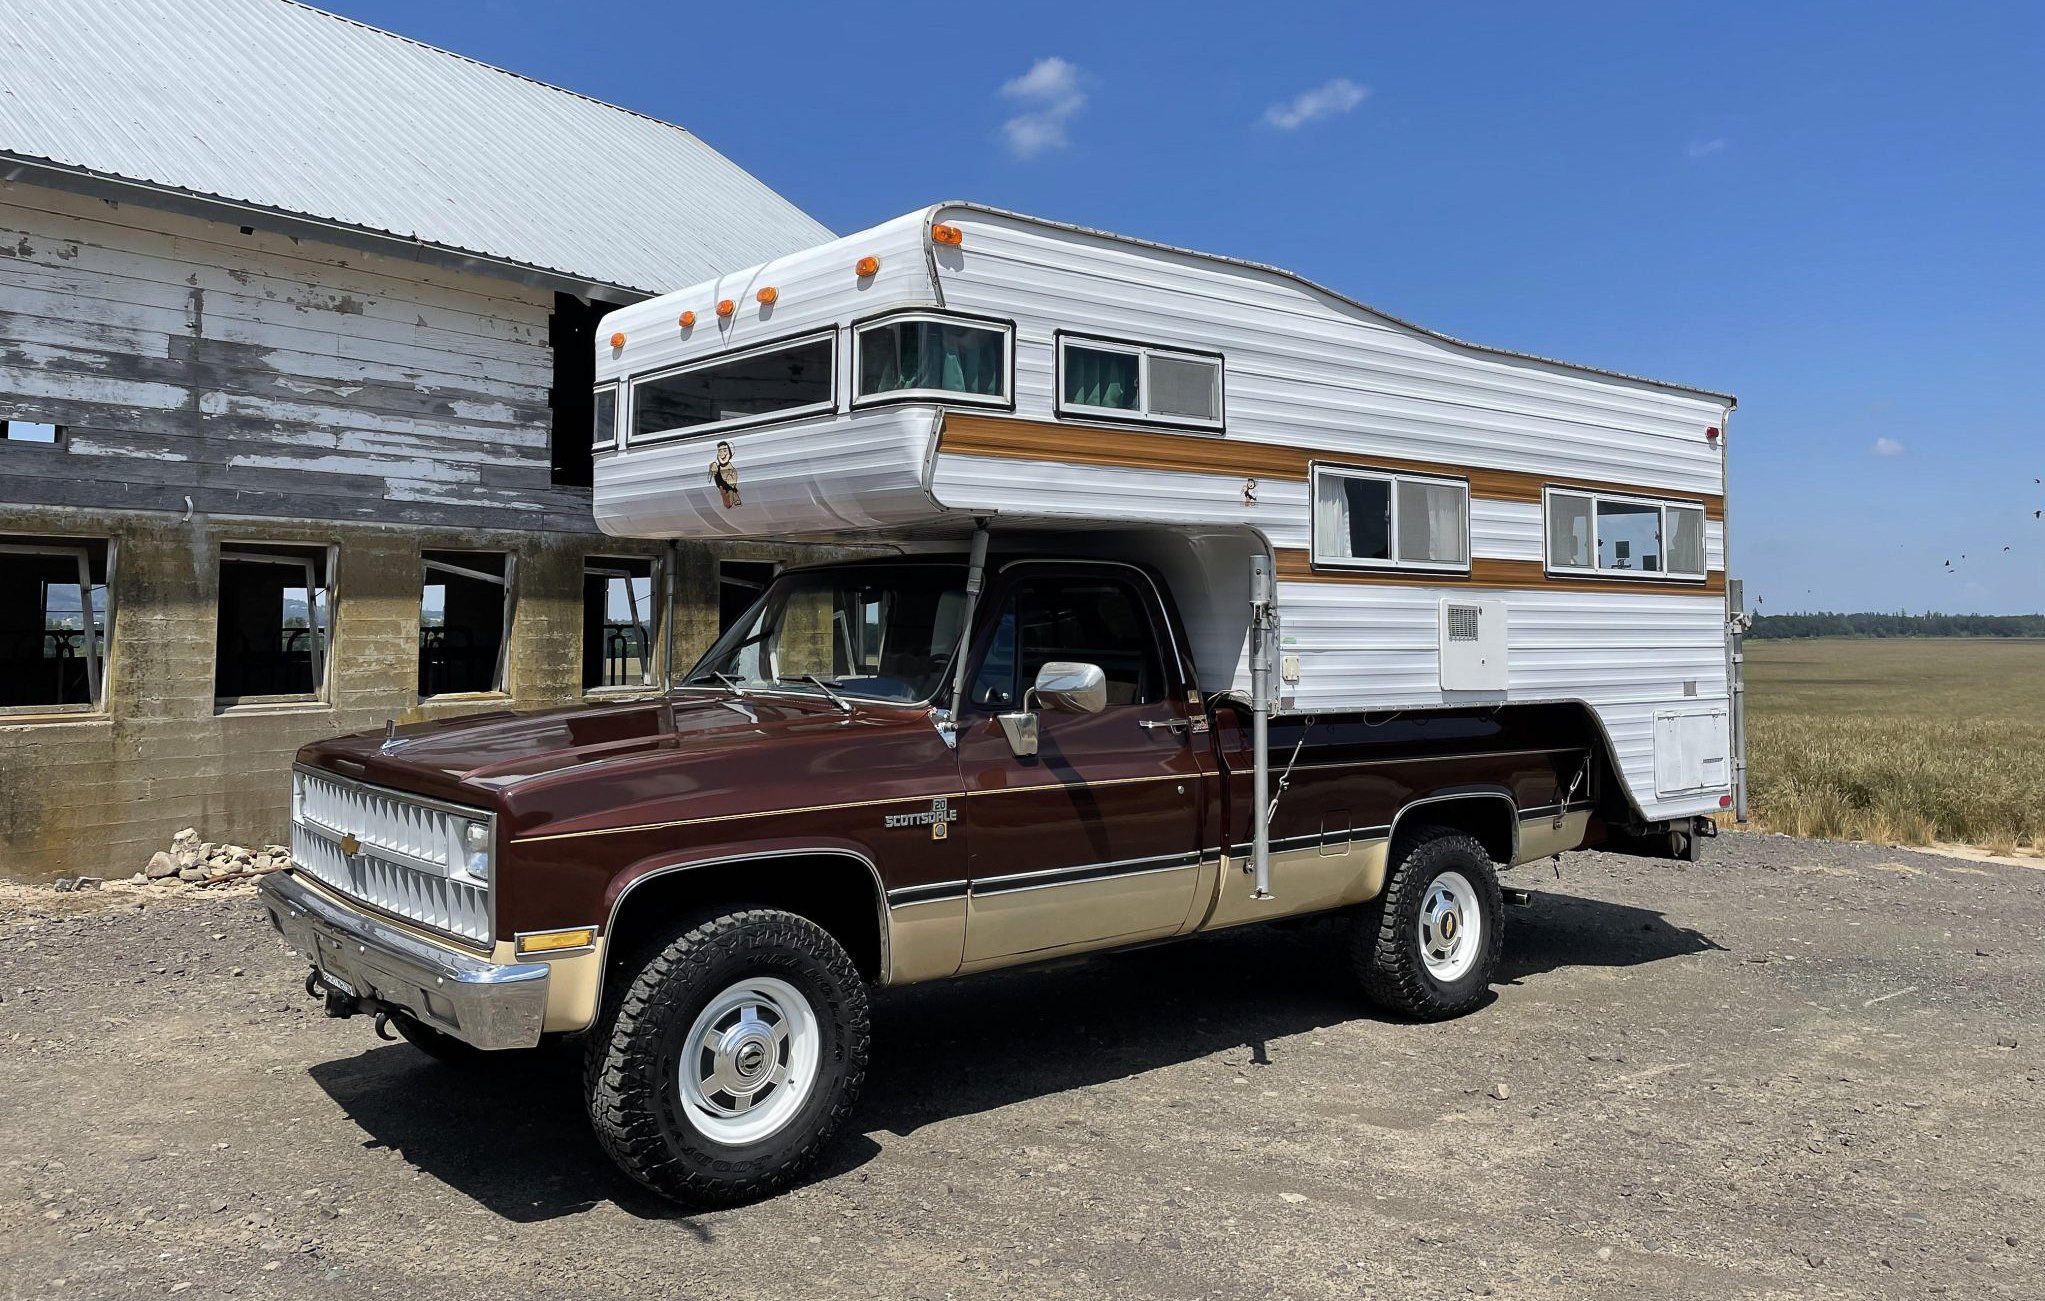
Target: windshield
(873, 632)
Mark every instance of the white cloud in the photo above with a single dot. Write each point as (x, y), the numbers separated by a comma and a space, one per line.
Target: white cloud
(1887, 447)
(1337, 96)
(1049, 94)
(1705, 148)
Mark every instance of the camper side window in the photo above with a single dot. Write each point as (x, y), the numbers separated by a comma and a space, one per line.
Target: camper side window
(603, 420)
(1364, 519)
(1593, 533)
(1130, 381)
(918, 355)
(775, 381)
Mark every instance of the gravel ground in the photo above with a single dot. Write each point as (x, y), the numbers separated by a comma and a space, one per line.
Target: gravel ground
(1794, 1070)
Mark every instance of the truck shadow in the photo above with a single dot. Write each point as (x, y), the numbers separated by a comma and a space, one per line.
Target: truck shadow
(513, 1136)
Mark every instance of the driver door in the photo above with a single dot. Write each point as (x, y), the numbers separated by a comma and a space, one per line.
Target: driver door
(1094, 839)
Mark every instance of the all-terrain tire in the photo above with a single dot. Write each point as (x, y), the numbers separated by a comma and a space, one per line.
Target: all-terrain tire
(639, 1051)
(1387, 949)
(441, 1047)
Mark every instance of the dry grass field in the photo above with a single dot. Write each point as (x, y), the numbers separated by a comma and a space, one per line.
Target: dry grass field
(1900, 741)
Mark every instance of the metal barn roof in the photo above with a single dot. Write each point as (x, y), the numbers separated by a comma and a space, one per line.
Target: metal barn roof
(278, 106)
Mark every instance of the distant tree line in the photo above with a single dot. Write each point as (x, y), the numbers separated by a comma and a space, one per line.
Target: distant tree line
(1897, 625)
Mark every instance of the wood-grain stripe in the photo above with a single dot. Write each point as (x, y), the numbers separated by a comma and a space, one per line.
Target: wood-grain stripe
(1296, 565)
(1133, 449)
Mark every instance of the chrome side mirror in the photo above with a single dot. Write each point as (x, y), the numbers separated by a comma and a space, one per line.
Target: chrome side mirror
(1075, 688)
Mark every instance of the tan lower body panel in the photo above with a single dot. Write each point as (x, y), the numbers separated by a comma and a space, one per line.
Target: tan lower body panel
(1302, 881)
(926, 941)
(1019, 925)
(1546, 836)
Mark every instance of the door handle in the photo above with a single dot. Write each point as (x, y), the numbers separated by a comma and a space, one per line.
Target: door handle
(1169, 724)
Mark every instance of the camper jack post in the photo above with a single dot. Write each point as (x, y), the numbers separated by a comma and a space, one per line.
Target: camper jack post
(976, 578)
(1263, 631)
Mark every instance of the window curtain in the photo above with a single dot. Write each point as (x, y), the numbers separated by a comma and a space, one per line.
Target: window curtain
(1331, 518)
(1100, 379)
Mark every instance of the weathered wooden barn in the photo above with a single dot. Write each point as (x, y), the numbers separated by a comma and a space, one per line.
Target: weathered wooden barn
(296, 346)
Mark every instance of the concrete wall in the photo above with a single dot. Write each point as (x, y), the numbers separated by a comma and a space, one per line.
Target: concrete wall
(97, 793)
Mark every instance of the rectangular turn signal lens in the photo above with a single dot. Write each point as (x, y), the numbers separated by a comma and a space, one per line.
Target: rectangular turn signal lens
(942, 234)
(555, 941)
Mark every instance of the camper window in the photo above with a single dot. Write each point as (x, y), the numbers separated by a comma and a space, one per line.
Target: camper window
(1595, 533)
(604, 418)
(925, 355)
(1364, 519)
(1128, 381)
(777, 381)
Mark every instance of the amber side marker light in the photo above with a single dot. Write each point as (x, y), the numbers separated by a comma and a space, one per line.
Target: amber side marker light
(688, 319)
(767, 296)
(556, 941)
(867, 266)
(618, 339)
(943, 234)
(725, 307)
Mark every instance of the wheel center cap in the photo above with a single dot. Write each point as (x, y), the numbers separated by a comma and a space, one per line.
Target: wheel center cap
(1447, 926)
(751, 1057)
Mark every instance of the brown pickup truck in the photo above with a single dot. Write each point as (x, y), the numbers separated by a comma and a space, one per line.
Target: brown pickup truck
(703, 886)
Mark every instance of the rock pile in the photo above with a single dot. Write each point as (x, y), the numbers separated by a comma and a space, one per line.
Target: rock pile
(205, 862)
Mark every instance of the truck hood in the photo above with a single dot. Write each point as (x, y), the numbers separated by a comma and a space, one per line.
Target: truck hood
(460, 758)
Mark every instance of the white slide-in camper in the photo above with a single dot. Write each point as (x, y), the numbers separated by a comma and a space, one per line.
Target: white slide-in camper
(1442, 525)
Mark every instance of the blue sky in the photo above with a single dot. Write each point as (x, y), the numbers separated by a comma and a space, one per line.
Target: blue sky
(1833, 210)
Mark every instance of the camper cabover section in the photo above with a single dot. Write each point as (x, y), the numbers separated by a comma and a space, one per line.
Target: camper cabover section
(1448, 525)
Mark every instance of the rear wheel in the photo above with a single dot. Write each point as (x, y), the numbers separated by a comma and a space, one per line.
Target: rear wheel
(1427, 947)
(731, 1059)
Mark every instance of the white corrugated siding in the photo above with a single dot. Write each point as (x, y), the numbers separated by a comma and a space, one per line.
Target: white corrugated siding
(286, 107)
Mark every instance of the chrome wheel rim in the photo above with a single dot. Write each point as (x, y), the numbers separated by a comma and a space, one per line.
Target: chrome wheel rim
(1451, 927)
(749, 1061)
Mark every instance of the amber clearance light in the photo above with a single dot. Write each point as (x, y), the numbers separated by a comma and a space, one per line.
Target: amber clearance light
(688, 319)
(555, 941)
(618, 339)
(725, 307)
(943, 234)
(867, 266)
(767, 295)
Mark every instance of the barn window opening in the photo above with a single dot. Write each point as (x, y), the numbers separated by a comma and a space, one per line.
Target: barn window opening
(274, 622)
(620, 621)
(739, 584)
(53, 623)
(30, 431)
(465, 608)
(572, 334)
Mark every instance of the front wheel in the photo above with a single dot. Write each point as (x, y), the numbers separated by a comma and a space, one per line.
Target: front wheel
(1427, 947)
(733, 1057)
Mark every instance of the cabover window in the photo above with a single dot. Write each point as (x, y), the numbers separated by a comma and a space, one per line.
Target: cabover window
(1367, 519)
(603, 420)
(1595, 533)
(777, 381)
(1130, 381)
(927, 355)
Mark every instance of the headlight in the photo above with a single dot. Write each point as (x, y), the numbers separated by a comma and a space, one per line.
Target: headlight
(476, 850)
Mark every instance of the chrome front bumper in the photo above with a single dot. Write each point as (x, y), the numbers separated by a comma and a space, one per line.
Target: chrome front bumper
(487, 1004)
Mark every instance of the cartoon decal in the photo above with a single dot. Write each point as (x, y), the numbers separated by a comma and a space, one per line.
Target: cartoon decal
(725, 475)
(1249, 492)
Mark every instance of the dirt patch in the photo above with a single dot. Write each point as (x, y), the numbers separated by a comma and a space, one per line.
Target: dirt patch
(1727, 1079)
